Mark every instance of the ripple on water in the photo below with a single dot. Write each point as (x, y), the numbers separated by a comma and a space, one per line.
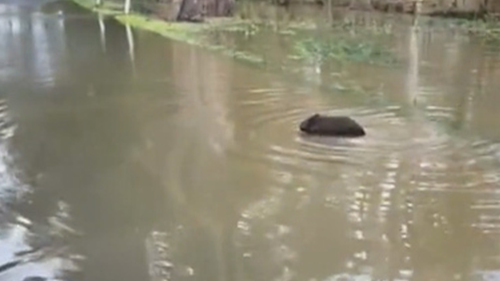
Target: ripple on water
(7, 126)
(407, 162)
(273, 116)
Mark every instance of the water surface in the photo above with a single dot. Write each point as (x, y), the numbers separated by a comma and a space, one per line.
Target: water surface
(127, 156)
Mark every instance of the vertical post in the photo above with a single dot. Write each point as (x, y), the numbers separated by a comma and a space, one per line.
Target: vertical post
(417, 9)
(98, 3)
(127, 6)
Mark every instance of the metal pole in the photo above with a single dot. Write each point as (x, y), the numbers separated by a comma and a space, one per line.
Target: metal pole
(127, 6)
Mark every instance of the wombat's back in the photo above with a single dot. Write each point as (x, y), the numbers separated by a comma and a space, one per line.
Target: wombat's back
(331, 126)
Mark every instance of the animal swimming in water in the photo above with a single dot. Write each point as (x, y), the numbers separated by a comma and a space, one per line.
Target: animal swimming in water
(340, 126)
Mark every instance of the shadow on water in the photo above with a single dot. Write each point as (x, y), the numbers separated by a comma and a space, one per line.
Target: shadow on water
(125, 156)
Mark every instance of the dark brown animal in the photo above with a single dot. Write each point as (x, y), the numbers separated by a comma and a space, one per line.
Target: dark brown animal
(339, 126)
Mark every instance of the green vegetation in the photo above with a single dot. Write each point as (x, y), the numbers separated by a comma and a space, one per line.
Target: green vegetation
(342, 50)
(487, 29)
(308, 43)
(354, 47)
(191, 33)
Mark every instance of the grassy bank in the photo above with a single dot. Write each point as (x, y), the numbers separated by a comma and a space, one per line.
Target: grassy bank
(334, 46)
(191, 33)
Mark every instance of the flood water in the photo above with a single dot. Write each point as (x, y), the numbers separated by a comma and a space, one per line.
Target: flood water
(127, 156)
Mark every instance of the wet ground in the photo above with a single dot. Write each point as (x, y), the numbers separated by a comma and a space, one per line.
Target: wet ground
(127, 156)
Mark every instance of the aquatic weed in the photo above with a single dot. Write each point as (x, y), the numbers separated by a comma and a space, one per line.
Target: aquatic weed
(341, 49)
(487, 28)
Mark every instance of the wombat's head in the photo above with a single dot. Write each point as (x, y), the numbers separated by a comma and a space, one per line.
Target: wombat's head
(305, 126)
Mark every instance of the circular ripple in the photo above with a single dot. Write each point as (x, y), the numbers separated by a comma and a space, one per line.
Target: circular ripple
(273, 115)
(402, 141)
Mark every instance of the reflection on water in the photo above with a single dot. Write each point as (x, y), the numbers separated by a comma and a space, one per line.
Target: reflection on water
(125, 156)
(28, 248)
(27, 37)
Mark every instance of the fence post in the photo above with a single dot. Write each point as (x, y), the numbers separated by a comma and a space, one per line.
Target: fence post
(127, 6)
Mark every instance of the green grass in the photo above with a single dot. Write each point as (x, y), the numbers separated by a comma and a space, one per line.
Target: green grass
(334, 47)
(342, 49)
(487, 29)
(246, 40)
(191, 33)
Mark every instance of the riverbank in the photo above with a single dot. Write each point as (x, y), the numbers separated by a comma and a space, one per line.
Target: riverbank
(190, 33)
(343, 45)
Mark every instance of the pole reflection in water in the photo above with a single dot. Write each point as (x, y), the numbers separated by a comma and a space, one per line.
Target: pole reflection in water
(130, 40)
(193, 169)
(31, 40)
(102, 32)
(30, 245)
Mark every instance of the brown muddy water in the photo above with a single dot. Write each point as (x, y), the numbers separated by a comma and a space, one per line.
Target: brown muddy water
(126, 156)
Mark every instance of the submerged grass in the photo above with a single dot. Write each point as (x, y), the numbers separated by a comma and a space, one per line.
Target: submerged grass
(302, 42)
(342, 50)
(334, 47)
(487, 29)
(191, 33)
